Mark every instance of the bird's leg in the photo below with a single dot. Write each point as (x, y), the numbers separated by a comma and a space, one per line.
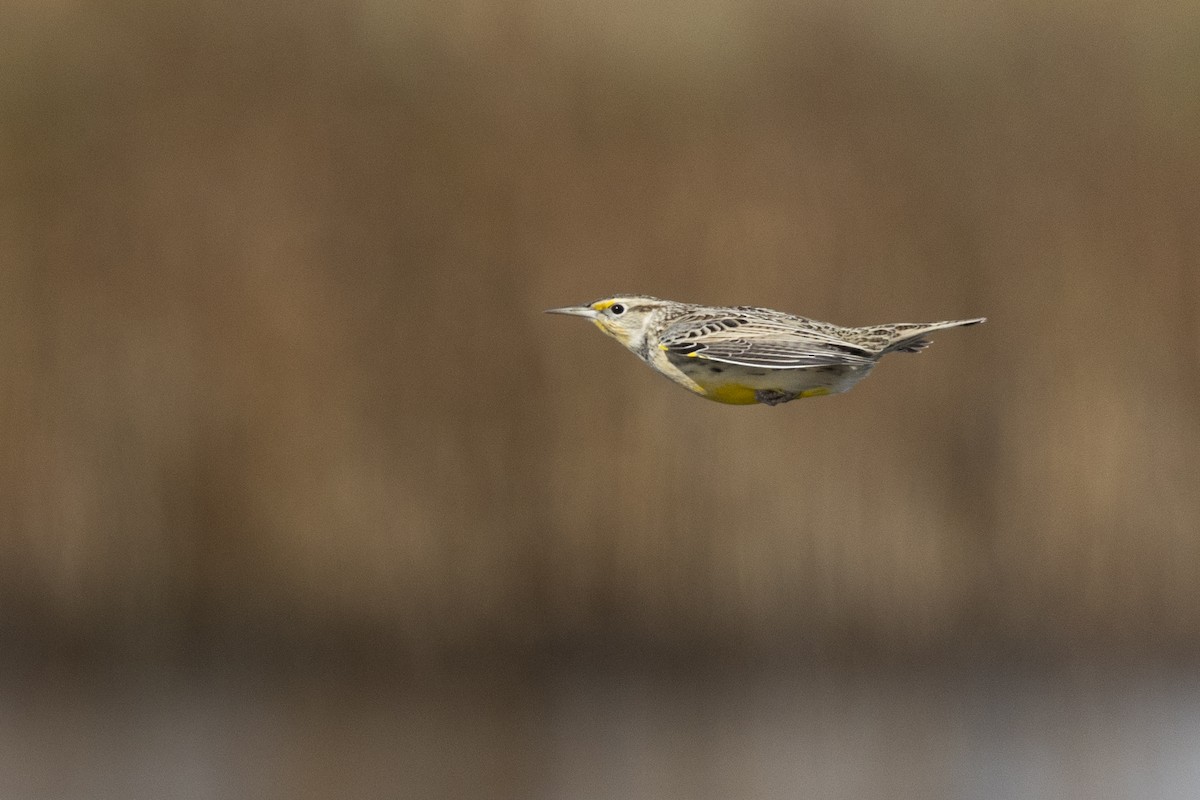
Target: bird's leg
(773, 397)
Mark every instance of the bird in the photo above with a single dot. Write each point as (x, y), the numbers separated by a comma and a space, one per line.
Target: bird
(742, 355)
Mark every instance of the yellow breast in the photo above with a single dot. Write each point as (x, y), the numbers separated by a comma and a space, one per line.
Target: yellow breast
(735, 394)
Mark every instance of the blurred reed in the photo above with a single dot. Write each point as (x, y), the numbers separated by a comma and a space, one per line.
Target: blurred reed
(274, 367)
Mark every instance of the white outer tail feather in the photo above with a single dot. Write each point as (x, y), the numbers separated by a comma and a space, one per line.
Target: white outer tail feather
(914, 341)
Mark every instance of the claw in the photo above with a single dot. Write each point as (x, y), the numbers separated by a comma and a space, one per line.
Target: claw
(774, 397)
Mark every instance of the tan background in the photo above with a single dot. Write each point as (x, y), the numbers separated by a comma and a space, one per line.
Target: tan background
(276, 385)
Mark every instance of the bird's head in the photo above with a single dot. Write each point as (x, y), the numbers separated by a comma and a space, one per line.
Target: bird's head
(626, 318)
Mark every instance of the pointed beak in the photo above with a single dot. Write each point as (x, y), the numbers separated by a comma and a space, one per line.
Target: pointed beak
(574, 311)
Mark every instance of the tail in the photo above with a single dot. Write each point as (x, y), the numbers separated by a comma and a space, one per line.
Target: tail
(910, 338)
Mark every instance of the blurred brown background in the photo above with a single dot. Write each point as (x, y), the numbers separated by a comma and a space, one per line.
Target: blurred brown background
(280, 409)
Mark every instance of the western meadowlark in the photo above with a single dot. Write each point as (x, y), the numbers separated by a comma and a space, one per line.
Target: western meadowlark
(742, 355)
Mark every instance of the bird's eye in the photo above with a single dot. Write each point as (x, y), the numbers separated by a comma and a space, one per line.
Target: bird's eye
(617, 308)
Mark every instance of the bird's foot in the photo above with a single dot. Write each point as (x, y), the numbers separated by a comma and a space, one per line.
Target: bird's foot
(774, 397)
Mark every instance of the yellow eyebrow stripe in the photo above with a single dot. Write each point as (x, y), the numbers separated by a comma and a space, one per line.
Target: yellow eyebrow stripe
(603, 304)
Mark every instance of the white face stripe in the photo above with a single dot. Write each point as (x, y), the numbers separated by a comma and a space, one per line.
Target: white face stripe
(636, 340)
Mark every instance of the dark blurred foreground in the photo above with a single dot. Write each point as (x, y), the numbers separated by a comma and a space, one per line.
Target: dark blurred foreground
(697, 734)
(301, 495)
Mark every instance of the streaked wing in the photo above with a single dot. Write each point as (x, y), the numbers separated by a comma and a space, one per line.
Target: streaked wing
(754, 340)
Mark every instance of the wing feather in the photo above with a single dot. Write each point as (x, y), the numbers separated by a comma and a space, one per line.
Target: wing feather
(752, 340)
